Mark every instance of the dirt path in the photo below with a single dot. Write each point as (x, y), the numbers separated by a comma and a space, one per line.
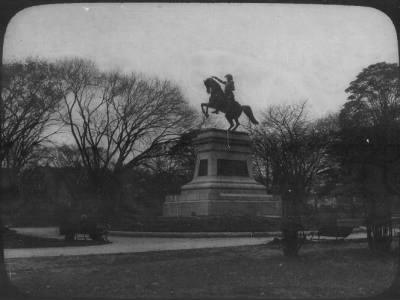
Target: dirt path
(129, 244)
(135, 244)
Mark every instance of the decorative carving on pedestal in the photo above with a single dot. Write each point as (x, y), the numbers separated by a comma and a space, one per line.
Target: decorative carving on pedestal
(223, 183)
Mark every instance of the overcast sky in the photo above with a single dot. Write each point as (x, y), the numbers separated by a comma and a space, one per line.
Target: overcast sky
(276, 53)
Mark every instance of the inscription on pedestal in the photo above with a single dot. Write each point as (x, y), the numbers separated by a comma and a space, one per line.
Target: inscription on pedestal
(229, 167)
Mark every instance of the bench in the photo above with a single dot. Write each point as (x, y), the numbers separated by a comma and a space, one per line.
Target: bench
(72, 231)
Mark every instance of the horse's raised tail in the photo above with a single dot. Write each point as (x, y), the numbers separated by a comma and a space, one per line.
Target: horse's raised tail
(249, 113)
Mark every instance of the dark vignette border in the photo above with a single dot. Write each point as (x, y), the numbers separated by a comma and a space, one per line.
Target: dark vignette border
(9, 8)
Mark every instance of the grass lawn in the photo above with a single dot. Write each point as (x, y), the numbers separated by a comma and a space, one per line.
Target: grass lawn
(335, 270)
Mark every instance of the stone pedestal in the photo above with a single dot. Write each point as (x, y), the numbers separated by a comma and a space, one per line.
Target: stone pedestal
(223, 183)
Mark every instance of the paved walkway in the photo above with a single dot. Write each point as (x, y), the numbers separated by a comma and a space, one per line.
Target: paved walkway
(129, 244)
(132, 244)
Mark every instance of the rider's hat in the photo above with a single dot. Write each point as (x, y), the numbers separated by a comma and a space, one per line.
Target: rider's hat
(229, 76)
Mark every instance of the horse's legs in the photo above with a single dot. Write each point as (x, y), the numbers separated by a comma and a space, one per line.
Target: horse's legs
(230, 122)
(237, 124)
(205, 112)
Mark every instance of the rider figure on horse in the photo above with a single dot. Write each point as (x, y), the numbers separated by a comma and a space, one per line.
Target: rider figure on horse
(229, 88)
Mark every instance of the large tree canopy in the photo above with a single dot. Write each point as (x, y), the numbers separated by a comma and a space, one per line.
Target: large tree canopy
(369, 144)
(374, 97)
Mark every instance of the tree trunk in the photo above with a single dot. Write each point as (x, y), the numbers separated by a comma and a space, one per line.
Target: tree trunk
(290, 238)
(7, 290)
(379, 232)
(3, 272)
(291, 224)
(379, 220)
(108, 192)
(5, 285)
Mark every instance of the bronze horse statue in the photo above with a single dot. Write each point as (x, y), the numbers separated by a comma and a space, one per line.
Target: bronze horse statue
(218, 101)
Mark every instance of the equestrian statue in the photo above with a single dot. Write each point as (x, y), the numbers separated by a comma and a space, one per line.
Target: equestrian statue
(225, 102)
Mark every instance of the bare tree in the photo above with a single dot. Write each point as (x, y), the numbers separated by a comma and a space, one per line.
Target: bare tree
(27, 105)
(117, 120)
(291, 150)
